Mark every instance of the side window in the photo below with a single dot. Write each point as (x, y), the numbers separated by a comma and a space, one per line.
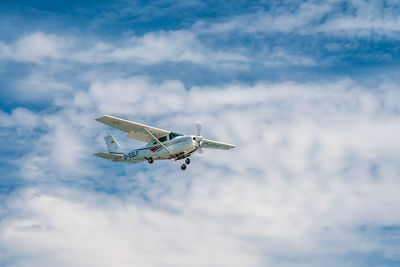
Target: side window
(162, 139)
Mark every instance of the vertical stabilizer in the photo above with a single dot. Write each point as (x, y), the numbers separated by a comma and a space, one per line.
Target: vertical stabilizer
(113, 146)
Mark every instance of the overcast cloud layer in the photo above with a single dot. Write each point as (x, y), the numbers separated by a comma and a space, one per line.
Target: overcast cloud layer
(307, 90)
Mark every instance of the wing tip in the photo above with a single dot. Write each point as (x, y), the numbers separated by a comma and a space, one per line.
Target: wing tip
(102, 118)
(99, 118)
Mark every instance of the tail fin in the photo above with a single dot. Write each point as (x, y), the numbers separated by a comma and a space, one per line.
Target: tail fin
(113, 146)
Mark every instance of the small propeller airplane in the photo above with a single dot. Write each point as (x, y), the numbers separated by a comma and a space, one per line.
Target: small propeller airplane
(161, 144)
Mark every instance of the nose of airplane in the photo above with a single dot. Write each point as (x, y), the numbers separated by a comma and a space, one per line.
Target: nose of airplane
(198, 138)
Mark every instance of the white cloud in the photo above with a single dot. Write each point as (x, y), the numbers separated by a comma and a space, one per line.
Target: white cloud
(55, 146)
(360, 19)
(20, 117)
(314, 162)
(280, 57)
(162, 46)
(158, 47)
(116, 234)
(276, 19)
(41, 86)
(368, 18)
(36, 47)
(136, 95)
(151, 48)
(337, 120)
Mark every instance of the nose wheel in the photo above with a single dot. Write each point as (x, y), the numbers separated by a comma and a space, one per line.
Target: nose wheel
(183, 167)
(187, 161)
(150, 160)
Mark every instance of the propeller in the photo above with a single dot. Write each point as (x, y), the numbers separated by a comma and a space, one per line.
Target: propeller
(199, 138)
(198, 125)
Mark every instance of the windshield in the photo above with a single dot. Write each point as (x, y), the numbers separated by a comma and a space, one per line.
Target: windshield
(172, 135)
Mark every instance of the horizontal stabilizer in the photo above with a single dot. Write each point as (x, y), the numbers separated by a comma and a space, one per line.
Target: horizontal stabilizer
(107, 155)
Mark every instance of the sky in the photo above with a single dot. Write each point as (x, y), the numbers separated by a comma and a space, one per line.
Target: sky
(307, 90)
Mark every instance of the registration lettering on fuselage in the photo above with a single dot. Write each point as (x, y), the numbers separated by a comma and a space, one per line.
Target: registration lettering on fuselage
(131, 155)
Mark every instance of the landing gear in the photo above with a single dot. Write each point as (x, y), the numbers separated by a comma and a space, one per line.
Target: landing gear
(150, 160)
(186, 158)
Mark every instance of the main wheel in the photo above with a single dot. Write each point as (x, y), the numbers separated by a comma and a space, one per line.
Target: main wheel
(150, 160)
(187, 160)
(183, 167)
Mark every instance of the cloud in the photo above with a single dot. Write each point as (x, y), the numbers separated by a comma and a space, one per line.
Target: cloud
(313, 180)
(181, 46)
(279, 56)
(125, 237)
(175, 46)
(41, 86)
(312, 167)
(365, 19)
(36, 48)
(338, 120)
(277, 19)
(137, 95)
(151, 48)
(49, 147)
(344, 18)
(300, 33)
(20, 117)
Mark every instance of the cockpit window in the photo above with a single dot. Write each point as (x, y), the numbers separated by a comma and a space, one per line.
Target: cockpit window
(172, 135)
(162, 139)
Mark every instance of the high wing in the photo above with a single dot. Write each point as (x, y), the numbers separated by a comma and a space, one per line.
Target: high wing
(134, 130)
(206, 143)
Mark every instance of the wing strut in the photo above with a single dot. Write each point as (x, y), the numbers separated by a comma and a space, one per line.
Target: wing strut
(158, 141)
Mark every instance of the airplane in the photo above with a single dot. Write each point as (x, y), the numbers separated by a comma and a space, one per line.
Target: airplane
(161, 144)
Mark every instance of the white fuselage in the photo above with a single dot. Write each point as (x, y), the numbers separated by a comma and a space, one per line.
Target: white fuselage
(177, 147)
